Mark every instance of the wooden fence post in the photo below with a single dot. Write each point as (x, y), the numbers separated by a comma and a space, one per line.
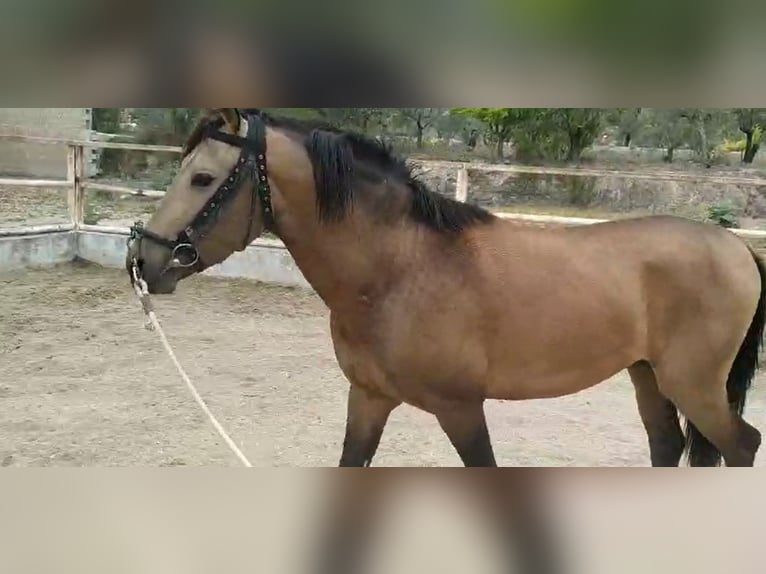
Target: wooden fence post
(71, 160)
(461, 191)
(79, 189)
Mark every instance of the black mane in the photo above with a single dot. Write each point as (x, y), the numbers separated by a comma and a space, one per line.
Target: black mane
(340, 158)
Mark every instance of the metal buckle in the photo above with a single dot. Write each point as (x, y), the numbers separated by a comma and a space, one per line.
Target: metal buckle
(135, 231)
(175, 259)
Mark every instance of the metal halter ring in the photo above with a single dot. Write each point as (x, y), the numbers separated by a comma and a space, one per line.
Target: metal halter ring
(175, 260)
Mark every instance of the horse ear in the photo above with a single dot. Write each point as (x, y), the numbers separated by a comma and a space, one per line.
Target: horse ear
(232, 118)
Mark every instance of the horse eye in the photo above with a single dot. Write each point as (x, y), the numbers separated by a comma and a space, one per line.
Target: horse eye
(202, 180)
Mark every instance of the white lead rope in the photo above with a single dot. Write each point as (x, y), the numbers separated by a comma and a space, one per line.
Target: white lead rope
(153, 324)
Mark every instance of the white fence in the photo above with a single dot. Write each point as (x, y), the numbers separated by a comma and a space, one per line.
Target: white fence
(77, 183)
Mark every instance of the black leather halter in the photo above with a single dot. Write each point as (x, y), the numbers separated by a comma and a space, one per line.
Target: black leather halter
(251, 163)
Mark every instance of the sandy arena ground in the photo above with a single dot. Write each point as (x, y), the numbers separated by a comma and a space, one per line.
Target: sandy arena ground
(83, 384)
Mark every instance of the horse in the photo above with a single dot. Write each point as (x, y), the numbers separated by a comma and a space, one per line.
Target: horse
(442, 305)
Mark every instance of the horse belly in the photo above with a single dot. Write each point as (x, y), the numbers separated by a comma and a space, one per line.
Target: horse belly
(547, 383)
(566, 356)
(426, 371)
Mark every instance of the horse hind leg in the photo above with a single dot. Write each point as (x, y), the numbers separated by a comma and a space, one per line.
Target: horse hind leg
(714, 427)
(714, 431)
(714, 407)
(659, 417)
(739, 443)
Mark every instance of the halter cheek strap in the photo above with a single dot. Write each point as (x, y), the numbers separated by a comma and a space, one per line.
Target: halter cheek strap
(254, 157)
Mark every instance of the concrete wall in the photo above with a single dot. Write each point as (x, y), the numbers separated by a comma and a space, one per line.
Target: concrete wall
(266, 261)
(41, 160)
(36, 250)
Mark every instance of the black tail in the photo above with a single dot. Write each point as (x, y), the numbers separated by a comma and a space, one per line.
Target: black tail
(701, 450)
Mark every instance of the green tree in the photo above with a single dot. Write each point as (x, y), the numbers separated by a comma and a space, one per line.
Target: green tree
(750, 122)
(556, 133)
(299, 113)
(581, 126)
(107, 120)
(538, 137)
(499, 123)
(165, 126)
(707, 128)
(363, 120)
(420, 119)
(628, 122)
(667, 128)
(449, 125)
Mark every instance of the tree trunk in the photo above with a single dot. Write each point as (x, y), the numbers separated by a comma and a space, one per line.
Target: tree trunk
(750, 149)
(575, 146)
(473, 140)
(627, 140)
(500, 149)
(420, 136)
(669, 154)
(705, 151)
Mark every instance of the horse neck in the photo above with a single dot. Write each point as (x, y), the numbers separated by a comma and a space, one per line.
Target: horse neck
(347, 261)
(343, 261)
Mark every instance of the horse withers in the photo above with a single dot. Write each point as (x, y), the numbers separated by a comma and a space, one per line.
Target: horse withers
(442, 305)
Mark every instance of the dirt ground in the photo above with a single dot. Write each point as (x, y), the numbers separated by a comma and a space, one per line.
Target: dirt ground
(83, 384)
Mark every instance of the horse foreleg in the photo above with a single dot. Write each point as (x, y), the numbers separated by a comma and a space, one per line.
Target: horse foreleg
(466, 428)
(367, 415)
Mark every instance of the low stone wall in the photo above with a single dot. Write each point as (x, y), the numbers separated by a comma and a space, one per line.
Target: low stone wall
(615, 194)
(266, 261)
(37, 250)
(503, 190)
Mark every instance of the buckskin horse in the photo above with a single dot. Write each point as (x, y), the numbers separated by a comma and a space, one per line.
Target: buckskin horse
(442, 305)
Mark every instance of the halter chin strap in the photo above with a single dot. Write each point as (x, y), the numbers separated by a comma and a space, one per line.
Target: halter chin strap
(251, 162)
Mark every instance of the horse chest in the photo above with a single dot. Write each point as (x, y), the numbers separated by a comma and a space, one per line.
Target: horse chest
(357, 350)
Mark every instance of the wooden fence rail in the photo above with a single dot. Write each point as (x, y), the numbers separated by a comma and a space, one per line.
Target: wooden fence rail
(77, 182)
